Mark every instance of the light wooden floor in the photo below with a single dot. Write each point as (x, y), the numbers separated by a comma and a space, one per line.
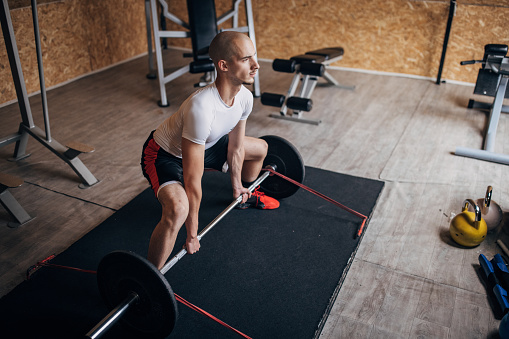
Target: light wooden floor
(408, 279)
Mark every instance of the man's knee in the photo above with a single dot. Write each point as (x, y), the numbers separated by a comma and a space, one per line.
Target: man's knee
(264, 148)
(175, 206)
(174, 215)
(256, 149)
(178, 209)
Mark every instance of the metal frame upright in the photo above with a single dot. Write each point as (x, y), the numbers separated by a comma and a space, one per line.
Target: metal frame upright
(68, 154)
(160, 33)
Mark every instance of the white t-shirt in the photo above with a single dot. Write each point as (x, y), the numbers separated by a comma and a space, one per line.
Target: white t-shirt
(203, 119)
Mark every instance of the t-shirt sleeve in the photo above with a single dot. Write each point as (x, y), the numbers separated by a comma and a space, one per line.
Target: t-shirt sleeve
(247, 100)
(197, 124)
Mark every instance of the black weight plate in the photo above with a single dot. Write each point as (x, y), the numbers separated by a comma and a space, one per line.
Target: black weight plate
(288, 162)
(122, 272)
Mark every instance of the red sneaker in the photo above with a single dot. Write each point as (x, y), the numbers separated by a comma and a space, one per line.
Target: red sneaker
(261, 201)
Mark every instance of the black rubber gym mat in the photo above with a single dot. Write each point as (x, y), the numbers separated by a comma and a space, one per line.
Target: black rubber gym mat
(267, 273)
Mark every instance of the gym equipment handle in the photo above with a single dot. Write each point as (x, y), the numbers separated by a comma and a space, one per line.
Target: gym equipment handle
(477, 210)
(213, 223)
(499, 70)
(470, 62)
(492, 61)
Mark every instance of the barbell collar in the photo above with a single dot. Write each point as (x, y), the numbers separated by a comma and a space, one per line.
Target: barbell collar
(113, 316)
(214, 222)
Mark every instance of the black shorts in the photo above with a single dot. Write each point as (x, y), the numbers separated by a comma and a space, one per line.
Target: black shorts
(161, 167)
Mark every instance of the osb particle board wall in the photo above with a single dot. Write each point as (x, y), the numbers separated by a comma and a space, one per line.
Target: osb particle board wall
(77, 37)
(389, 36)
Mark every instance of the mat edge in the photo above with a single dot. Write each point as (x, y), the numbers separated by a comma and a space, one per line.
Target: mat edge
(332, 299)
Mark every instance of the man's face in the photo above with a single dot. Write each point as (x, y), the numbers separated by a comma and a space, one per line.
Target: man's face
(243, 66)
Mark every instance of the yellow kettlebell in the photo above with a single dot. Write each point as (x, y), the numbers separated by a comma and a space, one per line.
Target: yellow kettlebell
(468, 228)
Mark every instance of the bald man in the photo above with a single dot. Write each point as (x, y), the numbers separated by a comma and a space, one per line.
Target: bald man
(208, 131)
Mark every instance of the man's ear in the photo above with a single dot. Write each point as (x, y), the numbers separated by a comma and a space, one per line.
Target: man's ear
(223, 66)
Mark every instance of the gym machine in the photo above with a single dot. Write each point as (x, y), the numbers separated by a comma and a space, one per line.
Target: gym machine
(491, 81)
(202, 27)
(308, 68)
(68, 153)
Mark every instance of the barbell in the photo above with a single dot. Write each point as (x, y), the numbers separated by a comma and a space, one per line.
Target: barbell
(138, 294)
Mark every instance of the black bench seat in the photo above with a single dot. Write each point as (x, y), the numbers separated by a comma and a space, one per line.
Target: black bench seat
(308, 68)
(308, 58)
(328, 53)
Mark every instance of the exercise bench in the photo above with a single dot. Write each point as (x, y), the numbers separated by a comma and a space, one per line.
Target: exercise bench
(491, 81)
(10, 203)
(308, 68)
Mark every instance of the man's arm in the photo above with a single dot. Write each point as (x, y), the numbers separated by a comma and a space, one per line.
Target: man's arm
(193, 163)
(236, 160)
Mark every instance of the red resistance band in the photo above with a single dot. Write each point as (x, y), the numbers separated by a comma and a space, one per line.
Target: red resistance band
(199, 310)
(364, 218)
(46, 263)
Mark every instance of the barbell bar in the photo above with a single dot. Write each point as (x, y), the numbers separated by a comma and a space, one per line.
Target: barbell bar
(133, 297)
(214, 222)
(139, 294)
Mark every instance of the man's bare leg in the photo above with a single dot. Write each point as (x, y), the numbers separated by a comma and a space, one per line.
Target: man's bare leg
(255, 151)
(175, 208)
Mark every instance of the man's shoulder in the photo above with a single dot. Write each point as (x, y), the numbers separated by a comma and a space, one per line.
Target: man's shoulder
(246, 97)
(202, 97)
(204, 93)
(245, 91)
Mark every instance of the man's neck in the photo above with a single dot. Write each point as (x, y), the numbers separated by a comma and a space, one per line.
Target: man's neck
(227, 90)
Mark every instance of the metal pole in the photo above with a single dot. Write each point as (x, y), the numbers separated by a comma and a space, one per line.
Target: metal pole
(14, 61)
(112, 317)
(159, 56)
(41, 70)
(496, 109)
(452, 12)
(151, 69)
(251, 32)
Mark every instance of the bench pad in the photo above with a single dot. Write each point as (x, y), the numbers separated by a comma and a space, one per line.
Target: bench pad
(308, 58)
(328, 53)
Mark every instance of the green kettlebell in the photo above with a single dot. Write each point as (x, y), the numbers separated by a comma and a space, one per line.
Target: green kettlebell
(468, 228)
